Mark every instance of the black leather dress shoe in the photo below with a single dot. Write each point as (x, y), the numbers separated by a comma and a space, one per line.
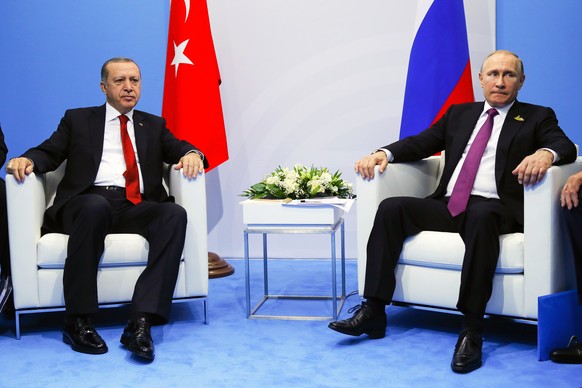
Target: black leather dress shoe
(137, 338)
(82, 336)
(570, 355)
(467, 356)
(364, 321)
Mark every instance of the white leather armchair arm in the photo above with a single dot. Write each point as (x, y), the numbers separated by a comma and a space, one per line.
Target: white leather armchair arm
(26, 206)
(191, 195)
(546, 270)
(418, 179)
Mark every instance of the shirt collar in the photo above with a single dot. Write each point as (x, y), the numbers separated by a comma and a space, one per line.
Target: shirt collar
(111, 113)
(502, 111)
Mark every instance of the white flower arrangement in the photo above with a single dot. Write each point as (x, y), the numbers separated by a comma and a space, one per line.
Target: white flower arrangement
(300, 183)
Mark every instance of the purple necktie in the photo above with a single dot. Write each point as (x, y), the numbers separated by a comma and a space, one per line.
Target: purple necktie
(464, 185)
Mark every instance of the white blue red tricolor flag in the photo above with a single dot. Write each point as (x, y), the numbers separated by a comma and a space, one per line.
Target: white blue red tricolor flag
(439, 70)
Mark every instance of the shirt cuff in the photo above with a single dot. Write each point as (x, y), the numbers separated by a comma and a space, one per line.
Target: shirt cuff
(556, 156)
(389, 155)
(197, 152)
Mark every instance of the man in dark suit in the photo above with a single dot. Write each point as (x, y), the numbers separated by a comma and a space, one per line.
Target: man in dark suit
(103, 191)
(522, 142)
(570, 199)
(5, 282)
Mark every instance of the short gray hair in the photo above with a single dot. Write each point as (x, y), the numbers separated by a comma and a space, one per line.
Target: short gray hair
(520, 68)
(105, 72)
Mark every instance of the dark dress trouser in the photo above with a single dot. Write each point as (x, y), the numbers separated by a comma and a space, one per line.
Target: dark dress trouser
(89, 217)
(572, 220)
(479, 226)
(4, 245)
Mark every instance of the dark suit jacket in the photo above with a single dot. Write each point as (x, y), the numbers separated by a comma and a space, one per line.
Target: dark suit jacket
(526, 129)
(3, 148)
(79, 140)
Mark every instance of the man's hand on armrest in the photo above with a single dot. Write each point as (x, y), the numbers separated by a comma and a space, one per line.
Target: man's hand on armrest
(20, 168)
(192, 164)
(365, 166)
(569, 195)
(533, 168)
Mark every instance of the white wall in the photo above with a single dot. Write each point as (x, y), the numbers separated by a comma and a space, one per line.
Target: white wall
(312, 82)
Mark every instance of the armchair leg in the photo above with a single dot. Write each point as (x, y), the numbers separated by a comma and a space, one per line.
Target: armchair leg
(17, 323)
(205, 312)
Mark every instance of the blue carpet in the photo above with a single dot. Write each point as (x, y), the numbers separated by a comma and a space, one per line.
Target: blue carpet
(232, 351)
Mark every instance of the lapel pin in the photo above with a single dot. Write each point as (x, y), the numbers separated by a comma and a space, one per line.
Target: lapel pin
(141, 124)
(518, 118)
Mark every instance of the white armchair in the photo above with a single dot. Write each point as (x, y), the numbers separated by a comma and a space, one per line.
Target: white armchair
(38, 261)
(531, 264)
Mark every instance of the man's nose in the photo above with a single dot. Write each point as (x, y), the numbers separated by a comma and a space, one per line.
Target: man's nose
(500, 82)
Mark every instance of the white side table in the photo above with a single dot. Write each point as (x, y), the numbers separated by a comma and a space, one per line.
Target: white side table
(272, 217)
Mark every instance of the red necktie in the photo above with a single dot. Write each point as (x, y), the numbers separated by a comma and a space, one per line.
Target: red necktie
(131, 174)
(464, 185)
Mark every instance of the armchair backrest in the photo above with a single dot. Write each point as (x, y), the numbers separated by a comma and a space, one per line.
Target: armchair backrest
(51, 181)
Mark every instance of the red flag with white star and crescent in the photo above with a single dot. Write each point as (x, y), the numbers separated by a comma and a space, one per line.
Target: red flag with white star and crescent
(192, 106)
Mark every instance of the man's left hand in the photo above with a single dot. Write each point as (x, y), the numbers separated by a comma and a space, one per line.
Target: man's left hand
(533, 168)
(192, 165)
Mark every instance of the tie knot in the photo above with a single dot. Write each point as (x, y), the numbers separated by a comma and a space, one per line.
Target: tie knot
(123, 119)
(492, 112)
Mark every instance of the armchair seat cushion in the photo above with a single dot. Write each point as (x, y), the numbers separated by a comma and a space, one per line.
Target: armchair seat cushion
(419, 250)
(121, 250)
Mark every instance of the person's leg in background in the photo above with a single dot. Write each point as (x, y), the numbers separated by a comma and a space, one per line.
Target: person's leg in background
(572, 220)
(6, 302)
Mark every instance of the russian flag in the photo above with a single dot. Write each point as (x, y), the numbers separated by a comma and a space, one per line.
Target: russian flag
(439, 70)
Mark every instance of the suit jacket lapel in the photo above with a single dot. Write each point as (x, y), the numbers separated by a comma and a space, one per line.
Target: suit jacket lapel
(511, 126)
(467, 123)
(140, 126)
(96, 126)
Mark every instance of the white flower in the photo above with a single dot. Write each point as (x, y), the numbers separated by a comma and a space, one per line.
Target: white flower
(300, 182)
(315, 183)
(272, 180)
(289, 185)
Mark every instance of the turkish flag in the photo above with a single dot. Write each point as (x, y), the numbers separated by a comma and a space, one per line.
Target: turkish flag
(192, 106)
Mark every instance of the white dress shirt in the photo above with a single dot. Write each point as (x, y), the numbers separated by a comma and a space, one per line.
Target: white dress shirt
(485, 185)
(112, 166)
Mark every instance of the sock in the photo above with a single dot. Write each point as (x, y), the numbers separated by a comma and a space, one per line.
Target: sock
(376, 305)
(135, 316)
(473, 322)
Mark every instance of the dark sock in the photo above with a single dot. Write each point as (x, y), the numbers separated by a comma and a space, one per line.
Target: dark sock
(377, 306)
(135, 316)
(473, 322)
(70, 317)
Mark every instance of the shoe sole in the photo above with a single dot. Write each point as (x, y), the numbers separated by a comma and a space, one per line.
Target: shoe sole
(82, 349)
(370, 334)
(566, 361)
(467, 368)
(125, 342)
